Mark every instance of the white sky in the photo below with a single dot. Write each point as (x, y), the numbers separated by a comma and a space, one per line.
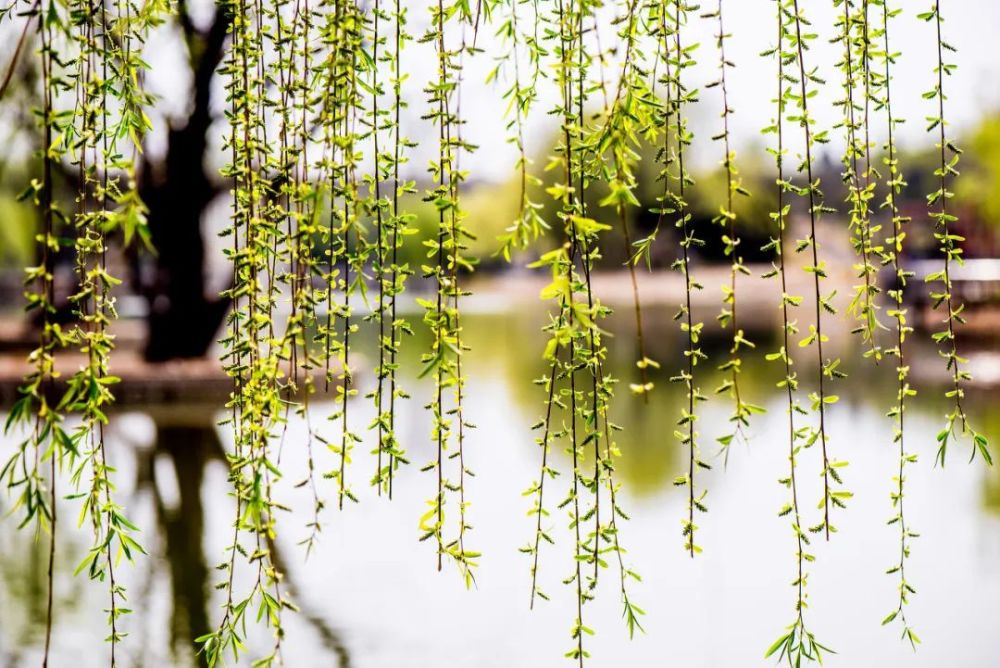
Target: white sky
(972, 26)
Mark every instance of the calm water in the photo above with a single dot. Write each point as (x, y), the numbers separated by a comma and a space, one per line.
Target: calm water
(370, 595)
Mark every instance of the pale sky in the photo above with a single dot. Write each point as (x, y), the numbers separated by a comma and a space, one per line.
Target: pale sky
(971, 25)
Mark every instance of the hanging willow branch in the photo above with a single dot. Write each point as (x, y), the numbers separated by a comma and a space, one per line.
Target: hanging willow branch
(892, 255)
(46, 441)
(826, 369)
(92, 123)
(390, 231)
(256, 349)
(305, 224)
(797, 643)
(574, 317)
(521, 42)
(857, 175)
(679, 57)
(317, 159)
(344, 224)
(399, 221)
(442, 314)
(529, 226)
(90, 144)
(630, 114)
(949, 243)
(726, 218)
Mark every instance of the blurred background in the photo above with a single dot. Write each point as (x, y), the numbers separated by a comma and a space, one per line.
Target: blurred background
(369, 595)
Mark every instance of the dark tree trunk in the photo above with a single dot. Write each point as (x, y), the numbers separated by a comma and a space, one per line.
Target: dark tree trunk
(183, 320)
(190, 448)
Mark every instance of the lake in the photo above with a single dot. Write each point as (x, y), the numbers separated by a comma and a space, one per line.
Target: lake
(370, 594)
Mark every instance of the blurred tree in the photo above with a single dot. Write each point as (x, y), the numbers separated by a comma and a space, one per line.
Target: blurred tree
(177, 185)
(977, 193)
(493, 208)
(183, 319)
(981, 187)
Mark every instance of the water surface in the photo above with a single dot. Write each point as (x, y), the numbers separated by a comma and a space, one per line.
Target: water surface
(370, 594)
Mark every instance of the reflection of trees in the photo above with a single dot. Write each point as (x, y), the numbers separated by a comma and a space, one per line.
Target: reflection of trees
(188, 439)
(508, 345)
(177, 184)
(23, 590)
(505, 346)
(189, 445)
(989, 423)
(328, 636)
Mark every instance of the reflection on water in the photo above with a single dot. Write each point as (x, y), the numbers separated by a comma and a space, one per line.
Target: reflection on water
(187, 448)
(370, 596)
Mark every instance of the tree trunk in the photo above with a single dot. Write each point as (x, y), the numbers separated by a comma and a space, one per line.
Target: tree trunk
(183, 320)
